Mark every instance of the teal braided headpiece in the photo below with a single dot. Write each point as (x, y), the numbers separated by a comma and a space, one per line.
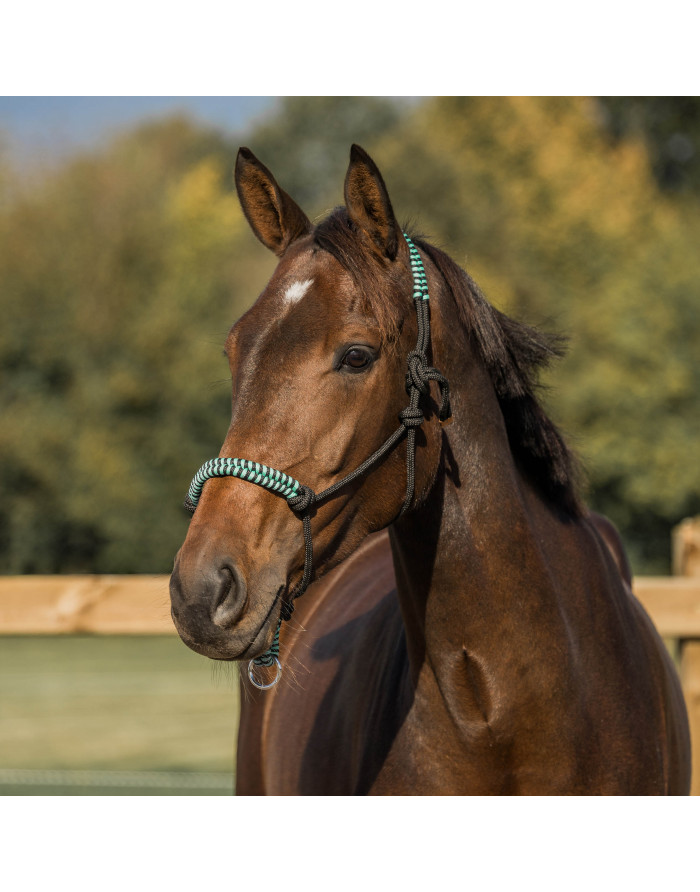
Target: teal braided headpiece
(301, 498)
(420, 281)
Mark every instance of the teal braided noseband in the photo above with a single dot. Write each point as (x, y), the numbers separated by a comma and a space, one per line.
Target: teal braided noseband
(300, 498)
(251, 471)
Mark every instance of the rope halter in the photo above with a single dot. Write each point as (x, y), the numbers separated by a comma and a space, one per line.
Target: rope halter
(300, 498)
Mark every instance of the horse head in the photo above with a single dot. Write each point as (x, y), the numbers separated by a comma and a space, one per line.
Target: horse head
(318, 367)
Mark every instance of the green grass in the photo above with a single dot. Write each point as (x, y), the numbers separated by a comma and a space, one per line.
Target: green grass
(114, 704)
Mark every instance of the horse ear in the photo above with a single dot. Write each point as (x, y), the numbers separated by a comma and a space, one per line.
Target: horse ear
(368, 205)
(275, 218)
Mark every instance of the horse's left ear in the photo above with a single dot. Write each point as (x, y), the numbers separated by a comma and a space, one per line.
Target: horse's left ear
(368, 205)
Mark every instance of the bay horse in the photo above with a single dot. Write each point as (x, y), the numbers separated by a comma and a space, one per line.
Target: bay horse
(470, 626)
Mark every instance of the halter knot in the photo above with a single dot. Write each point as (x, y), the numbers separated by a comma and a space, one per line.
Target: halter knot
(417, 375)
(303, 500)
(411, 417)
(420, 374)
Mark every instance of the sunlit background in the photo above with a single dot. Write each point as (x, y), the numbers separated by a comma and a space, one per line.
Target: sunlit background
(124, 260)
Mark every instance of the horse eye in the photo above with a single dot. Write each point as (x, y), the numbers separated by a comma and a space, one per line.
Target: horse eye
(356, 358)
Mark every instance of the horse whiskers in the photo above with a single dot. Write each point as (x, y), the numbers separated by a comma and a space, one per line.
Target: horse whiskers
(291, 677)
(224, 672)
(219, 382)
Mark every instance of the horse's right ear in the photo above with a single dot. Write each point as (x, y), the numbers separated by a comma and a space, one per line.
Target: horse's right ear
(275, 218)
(368, 205)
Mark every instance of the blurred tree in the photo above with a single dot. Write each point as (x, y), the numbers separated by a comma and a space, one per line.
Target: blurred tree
(119, 278)
(670, 128)
(307, 143)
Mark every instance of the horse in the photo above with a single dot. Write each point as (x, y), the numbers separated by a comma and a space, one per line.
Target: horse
(469, 626)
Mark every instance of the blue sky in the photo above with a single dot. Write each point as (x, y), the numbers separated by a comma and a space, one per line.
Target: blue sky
(53, 126)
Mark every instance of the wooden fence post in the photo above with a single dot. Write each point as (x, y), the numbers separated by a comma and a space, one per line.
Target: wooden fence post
(686, 562)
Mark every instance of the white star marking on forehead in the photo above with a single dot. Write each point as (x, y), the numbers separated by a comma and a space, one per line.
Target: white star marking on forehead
(297, 290)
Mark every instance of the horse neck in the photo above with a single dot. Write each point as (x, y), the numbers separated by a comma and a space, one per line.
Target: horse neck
(473, 581)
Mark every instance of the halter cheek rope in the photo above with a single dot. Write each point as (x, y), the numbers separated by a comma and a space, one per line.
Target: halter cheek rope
(300, 498)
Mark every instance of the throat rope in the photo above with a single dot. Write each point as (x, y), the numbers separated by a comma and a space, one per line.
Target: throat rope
(302, 499)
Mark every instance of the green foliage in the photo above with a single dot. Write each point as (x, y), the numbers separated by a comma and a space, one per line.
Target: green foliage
(121, 273)
(120, 278)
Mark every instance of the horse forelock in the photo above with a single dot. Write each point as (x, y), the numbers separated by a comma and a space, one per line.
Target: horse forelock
(379, 288)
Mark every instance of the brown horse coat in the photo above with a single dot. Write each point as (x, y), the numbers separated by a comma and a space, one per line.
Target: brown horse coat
(489, 641)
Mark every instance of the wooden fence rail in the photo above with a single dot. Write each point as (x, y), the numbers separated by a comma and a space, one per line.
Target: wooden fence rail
(140, 605)
(104, 605)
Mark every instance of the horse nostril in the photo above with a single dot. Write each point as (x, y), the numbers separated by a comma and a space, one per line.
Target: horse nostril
(227, 582)
(231, 597)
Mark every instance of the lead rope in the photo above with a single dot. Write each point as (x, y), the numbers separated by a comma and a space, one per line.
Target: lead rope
(301, 499)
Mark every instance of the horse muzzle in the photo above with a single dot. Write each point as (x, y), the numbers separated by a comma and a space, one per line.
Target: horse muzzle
(215, 615)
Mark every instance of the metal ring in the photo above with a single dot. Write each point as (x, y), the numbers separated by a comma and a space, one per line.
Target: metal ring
(264, 687)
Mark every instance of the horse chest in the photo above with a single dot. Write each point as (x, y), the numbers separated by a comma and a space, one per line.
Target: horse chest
(352, 722)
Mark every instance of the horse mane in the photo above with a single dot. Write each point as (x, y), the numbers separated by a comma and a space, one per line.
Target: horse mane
(514, 353)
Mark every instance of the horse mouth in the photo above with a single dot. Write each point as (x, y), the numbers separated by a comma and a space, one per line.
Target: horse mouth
(247, 639)
(260, 644)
